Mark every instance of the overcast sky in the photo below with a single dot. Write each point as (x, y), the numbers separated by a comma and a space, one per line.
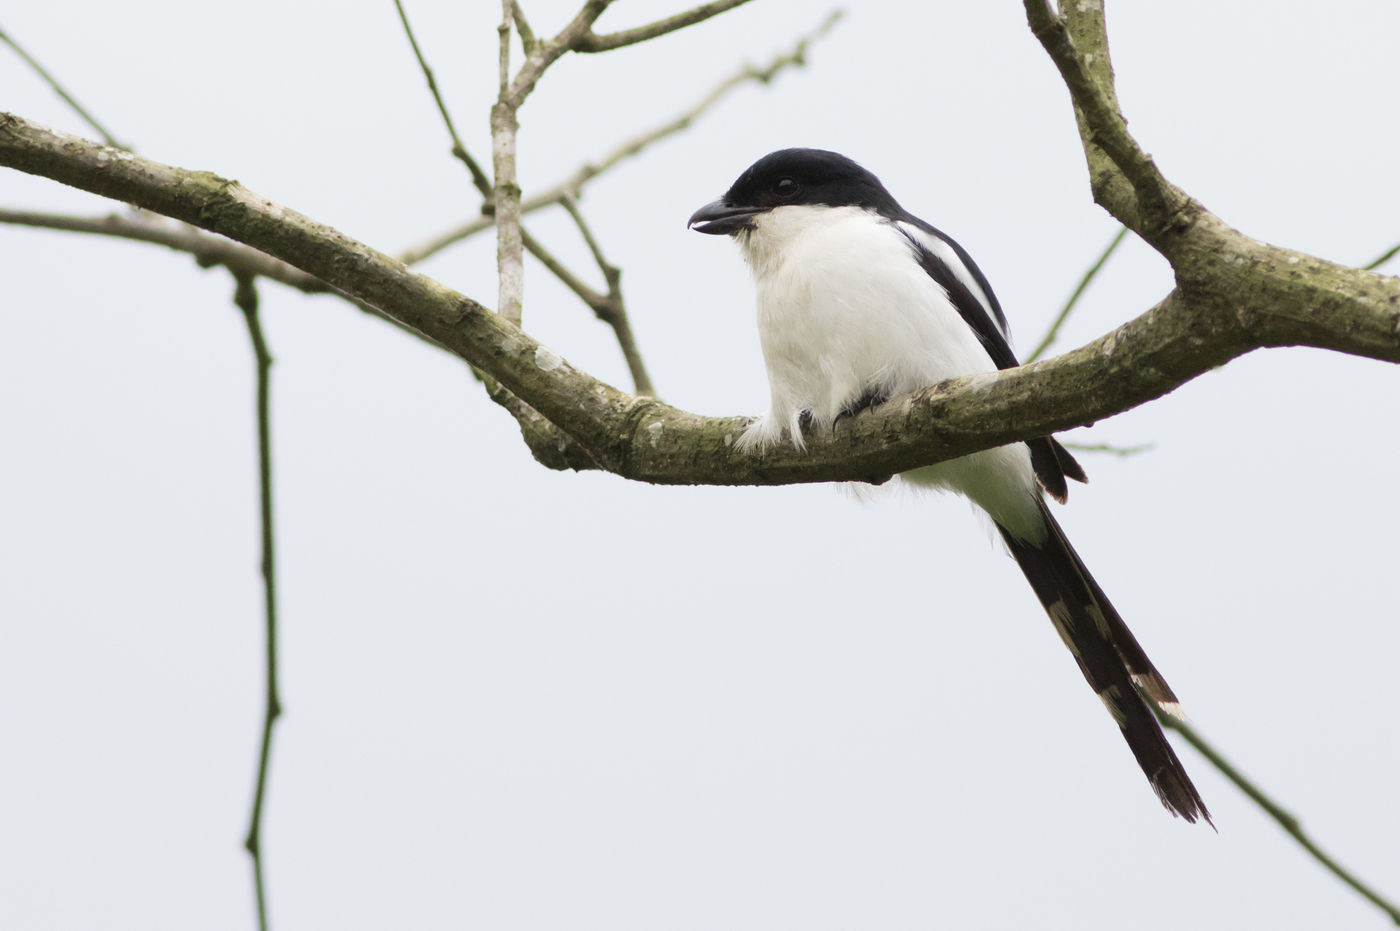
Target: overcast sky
(522, 699)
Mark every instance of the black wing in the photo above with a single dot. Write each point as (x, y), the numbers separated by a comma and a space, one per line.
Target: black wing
(948, 263)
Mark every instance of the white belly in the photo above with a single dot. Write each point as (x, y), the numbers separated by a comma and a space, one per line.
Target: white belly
(844, 309)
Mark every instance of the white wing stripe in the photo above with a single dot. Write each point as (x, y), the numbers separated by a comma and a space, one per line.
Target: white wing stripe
(949, 256)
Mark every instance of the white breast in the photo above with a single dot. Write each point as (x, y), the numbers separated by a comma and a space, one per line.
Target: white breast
(844, 308)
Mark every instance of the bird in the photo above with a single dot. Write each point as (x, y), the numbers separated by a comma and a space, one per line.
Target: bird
(859, 301)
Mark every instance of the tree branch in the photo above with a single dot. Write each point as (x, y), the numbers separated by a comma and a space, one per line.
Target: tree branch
(574, 183)
(1277, 297)
(1384, 257)
(612, 309)
(547, 52)
(68, 98)
(1089, 77)
(1053, 332)
(479, 179)
(505, 191)
(1270, 297)
(1110, 448)
(209, 251)
(522, 27)
(1286, 820)
(607, 307)
(246, 297)
(592, 42)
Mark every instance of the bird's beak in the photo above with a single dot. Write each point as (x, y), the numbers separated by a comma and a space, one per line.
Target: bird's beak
(717, 217)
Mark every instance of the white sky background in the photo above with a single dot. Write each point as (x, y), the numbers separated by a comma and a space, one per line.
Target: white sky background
(531, 700)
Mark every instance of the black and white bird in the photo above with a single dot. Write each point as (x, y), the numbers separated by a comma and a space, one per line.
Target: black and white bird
(859, 301)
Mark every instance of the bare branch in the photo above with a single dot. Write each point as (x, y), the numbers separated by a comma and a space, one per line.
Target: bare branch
(1270, 291)
(503, 43)
(551, 447)
(573, 185)
(1384, 257)
(522, 28)
(547, 52)
(592, 42)
(571, 281)
(610, 271)
(1261, 296)
(613, 309)
(1089, 77)
(479, 179)
(608, 307)
(68, 98)
(505, 192)
(1110, 448)
(246, 297)
(1285, 819)
(1051, 334)
(209, 251)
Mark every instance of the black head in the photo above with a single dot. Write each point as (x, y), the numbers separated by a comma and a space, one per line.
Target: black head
(793, 177)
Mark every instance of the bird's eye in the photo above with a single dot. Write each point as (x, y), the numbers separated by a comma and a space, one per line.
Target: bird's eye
(785, 188)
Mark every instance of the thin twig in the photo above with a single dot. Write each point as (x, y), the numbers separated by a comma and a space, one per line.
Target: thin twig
(1288, 821)
(610, 271)
(567, 278)
(573, 185)
(479, 178)
(1110, 448)
(592, 42)
(614, 311)
(58, 89)
(1384, 257)
(611, 308)
(503, 46)
(608, 307)
(246, 297)
(522, 28)
(1054, 331)
(209, 251)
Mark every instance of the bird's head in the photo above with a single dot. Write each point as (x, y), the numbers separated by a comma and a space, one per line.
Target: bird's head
(792, 177)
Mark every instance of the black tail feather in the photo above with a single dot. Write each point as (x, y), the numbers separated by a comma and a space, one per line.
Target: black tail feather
(1111, 659)
(1053, 464)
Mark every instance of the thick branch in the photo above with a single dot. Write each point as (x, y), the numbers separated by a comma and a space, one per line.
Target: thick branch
(1089, 77)
(1283, 299)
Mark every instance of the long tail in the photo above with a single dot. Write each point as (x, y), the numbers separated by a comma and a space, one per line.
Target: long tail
(1110, 658)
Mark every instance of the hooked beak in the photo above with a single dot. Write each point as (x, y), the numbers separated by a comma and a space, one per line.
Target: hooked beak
(717, 218)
